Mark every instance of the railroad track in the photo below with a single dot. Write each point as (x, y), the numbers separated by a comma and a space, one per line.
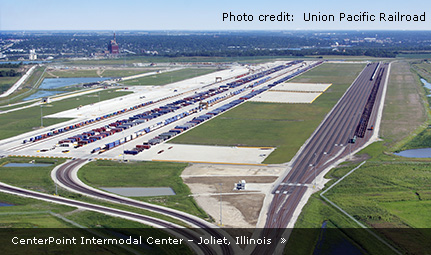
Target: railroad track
(108, 120)
(328, 143)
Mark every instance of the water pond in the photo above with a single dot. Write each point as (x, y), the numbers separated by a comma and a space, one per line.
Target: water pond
(415, 153)
(5, 204)
(55, 83)
(43, 93)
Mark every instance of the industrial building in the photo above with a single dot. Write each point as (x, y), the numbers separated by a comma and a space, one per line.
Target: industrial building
(32, 55)
(113, 46)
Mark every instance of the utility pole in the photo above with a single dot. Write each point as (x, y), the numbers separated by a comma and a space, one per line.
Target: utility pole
(315, 175)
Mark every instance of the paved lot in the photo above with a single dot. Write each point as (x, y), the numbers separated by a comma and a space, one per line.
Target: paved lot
(286, 97)
(294, 93)
(301, 87)
(205, 153)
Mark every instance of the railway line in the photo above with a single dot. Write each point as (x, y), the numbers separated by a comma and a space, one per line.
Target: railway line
(330, 142)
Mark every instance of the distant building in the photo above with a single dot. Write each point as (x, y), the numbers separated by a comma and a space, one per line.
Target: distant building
(113, 46)
(33, 55)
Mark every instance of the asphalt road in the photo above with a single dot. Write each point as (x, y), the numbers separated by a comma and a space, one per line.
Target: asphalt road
(64, 175)
(110, 211)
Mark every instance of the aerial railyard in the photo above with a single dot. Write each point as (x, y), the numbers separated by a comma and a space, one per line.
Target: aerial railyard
(146, 123)
(147, 127)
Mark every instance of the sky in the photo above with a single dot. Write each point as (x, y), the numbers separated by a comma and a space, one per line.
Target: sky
(203, 14)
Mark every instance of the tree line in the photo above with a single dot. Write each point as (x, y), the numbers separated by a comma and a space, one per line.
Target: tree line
(9, 73)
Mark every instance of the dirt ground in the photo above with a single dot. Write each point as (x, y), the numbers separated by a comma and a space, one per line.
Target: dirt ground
(239, 209)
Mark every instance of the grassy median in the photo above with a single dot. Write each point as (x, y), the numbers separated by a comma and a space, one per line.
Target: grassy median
(144, 174)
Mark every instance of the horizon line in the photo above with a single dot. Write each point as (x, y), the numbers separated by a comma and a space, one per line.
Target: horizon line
(212, 30)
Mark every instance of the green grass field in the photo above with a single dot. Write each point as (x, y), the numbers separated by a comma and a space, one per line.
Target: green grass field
(144, 174)
(421, 140)
(404, 113)
(34, 178)
(7, 82)
(31, 220)
(25, 120)
(169, 77)
(285, 126)
(414, 56)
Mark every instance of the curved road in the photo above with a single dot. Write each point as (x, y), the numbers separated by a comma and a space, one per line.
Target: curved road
(175, 229)
(65, 176)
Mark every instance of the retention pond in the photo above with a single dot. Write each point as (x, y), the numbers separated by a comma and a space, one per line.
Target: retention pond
(415, 153)
(55, 83)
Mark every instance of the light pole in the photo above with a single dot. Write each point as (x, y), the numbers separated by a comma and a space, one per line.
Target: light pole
(314, 168)
(41, 116)
(123, 143)
(323, 163)
(221, 222)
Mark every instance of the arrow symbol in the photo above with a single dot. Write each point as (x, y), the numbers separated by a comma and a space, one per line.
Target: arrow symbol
(283, 240)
